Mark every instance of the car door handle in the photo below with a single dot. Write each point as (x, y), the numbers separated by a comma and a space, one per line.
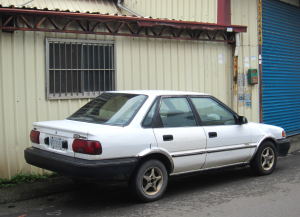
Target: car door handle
(168, 137)
(212, 134)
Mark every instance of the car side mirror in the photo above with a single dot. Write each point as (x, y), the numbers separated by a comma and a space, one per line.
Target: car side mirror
(242, 120)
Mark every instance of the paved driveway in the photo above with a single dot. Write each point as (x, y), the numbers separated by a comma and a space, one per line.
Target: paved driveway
(228, 193)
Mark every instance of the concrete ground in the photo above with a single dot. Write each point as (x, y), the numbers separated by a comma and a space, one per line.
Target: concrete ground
(14, 199)
(295, 143)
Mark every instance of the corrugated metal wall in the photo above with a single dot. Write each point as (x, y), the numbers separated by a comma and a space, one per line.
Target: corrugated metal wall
(281, 66)
(245, 13)
(190, 10)
(174, 65)
(22, 94)
(141, 64)
(242, 13)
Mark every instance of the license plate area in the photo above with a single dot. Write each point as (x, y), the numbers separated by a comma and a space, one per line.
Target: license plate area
(57, 143)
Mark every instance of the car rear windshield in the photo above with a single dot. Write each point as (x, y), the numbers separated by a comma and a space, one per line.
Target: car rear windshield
(110, 108)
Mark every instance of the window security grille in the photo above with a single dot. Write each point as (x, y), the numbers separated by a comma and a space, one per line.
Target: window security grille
(79, 68)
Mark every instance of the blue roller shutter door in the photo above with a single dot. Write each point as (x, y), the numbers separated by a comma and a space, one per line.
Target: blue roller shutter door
(281, 65)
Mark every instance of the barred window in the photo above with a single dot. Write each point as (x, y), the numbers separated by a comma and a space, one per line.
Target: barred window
(79, 68)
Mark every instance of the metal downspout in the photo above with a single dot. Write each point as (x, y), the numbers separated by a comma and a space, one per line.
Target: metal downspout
(237, 43)
(126, 9)
(235, 73)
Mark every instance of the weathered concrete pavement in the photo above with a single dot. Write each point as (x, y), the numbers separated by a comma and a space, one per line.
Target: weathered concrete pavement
(228, 193)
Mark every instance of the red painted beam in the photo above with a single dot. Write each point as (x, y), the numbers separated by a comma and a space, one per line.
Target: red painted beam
(224, 12)
(109, 33)
(146, 22)
(189, 25)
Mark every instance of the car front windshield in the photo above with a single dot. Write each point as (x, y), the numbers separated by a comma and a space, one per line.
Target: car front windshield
(110, 108)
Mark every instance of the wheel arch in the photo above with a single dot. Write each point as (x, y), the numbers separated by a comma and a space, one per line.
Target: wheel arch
(270, 140)
(265, 138)
(158, 154)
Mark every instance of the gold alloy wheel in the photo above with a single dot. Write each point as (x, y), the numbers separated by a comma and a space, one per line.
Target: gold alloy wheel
(267, 158)
(152, 180)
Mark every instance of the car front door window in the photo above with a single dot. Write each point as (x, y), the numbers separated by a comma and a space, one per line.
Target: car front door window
(212, 113)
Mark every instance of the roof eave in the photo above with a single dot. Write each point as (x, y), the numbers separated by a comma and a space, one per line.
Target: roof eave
(145, 22)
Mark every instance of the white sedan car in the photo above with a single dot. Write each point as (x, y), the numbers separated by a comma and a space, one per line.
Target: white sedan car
(144, 137)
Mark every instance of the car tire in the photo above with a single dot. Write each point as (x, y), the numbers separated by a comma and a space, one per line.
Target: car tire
(149, 182)
(265, 159)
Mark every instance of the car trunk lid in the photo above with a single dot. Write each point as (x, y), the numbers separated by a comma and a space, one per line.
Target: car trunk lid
(60, 134)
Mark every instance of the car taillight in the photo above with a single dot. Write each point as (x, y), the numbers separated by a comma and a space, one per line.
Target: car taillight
(87, 147)
(35, 136)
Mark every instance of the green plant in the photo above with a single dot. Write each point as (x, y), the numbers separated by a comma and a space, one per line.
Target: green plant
(23, 178)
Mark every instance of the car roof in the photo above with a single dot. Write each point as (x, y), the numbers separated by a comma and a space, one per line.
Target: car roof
(159, 92)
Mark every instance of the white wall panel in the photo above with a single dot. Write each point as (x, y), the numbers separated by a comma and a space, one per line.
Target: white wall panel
(191, 10)
(245, 13)
(22, 95)
(174, 65)
(141, 64)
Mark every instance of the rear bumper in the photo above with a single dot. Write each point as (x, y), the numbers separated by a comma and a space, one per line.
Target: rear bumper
(283, 146)
(115, 169)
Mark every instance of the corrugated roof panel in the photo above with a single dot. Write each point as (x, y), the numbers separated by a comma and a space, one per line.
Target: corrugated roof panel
(102, 6)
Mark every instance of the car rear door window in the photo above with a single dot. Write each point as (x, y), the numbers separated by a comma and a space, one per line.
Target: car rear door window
(212, 113)
(176, 112)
